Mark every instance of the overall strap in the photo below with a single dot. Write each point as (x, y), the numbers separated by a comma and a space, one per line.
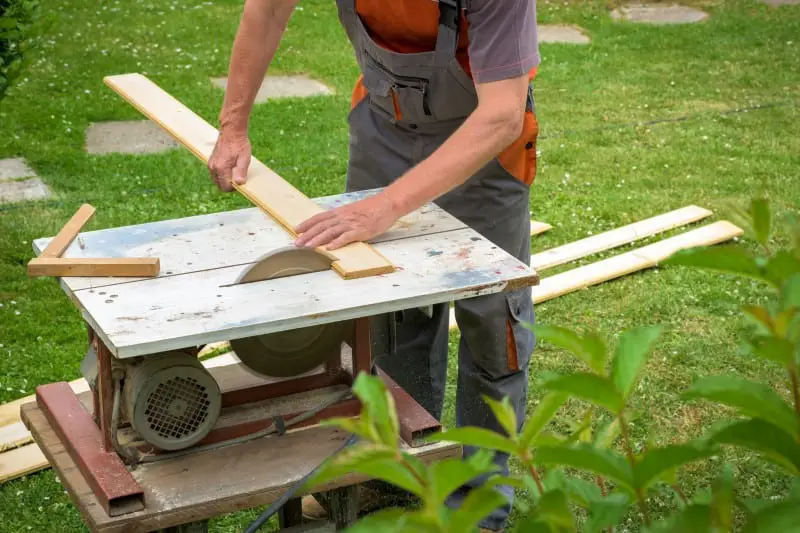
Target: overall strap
(447, 38)
(347, 5)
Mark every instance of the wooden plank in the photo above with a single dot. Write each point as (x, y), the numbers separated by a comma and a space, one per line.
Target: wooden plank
(633, 261)
(13, 436)
(264, 187)
(158, 314)
(21, 462)
(618, 237)
(537, 228)
(627, 263)
(228, 238)
(68, 233)
(255, 473)
(94, 267)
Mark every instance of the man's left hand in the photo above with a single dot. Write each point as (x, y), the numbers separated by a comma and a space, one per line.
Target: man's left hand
(359, 221)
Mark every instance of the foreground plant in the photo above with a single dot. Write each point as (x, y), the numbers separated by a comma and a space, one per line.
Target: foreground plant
(618, 479)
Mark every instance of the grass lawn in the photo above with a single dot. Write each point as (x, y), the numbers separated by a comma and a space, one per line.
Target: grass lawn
(644, 120)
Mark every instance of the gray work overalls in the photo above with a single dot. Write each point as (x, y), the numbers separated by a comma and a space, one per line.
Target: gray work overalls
(435, 95)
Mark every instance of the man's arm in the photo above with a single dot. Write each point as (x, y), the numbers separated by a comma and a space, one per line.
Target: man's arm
(494, 124)
(260, 30)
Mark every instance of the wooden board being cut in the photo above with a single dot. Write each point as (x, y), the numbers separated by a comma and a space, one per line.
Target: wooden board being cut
(264, 187)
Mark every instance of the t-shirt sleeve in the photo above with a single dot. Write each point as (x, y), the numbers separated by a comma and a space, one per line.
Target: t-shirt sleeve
(503, 40)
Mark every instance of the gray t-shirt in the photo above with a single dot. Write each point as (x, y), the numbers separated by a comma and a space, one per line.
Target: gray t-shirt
(503, 40)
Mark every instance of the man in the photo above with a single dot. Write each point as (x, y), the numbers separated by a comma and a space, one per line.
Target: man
(442, 112)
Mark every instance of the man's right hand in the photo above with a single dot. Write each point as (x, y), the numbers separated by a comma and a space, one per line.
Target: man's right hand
(230, 160)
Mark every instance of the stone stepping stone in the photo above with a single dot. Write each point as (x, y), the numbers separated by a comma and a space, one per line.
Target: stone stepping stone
(128, 137)
(284, 87)
(18, 182)
(561, 33)
(776, 3)
(659, 14)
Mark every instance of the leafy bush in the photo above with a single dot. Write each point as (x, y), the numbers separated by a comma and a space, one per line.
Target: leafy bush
(16, 20)
(622, 478)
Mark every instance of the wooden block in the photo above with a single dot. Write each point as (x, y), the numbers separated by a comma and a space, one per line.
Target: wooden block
(620, 265)
(68, 233)
(618, 237)
(537, 228)
(94, 266)
(21, 461)
(266, 189)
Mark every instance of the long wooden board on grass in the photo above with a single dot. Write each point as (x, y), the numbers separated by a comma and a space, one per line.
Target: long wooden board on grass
(266, 189)
(620, 265)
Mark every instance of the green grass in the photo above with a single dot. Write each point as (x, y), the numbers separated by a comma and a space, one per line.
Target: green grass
(637, 123)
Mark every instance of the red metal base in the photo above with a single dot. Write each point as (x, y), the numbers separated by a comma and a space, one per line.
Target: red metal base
(105, 472)
(87, 437)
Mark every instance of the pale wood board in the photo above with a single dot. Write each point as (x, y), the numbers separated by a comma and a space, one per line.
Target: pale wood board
(264, 187)
(245, 475)
(69, 232)
(9, 412)
(614, 267)
(21, 462)
(94, 266)
(13, 436)
(215, 240)
(164, 313)
(618, 237)
(537, 228)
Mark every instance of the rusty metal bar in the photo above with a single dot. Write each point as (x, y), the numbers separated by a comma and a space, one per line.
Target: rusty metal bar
(415, 421)
(105, 386)
(115, 487)
(284, 388)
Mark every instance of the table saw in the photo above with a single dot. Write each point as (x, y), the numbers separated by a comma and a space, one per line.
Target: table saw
(303, 332)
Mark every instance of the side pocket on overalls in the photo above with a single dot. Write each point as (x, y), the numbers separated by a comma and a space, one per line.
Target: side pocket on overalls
(519, 337)
(519, 158)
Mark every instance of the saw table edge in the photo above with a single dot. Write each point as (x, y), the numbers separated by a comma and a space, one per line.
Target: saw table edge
(288, 205)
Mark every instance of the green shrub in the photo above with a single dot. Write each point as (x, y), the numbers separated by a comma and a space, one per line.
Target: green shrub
(622, 478)
(16, 20)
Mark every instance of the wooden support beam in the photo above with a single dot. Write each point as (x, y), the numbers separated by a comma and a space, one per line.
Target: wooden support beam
(64, 238)
(137, 267)
(266, 189)
(537, 228)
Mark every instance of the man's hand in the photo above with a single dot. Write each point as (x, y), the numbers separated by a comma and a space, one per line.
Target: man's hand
(230, 160)
(359, 221)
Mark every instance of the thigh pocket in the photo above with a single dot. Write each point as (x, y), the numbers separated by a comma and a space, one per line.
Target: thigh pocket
(519, 158)
(494, 328)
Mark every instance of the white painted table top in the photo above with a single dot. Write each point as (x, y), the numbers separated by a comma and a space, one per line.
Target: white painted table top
(191, 302)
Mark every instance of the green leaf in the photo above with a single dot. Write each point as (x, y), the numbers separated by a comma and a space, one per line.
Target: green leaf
(749, 398)
(695, 518)
(378, 407)
(590, 387)
(658, 461)
(726, 259)
(781, 267)
(387, 521)
(449, 474)
(608, 511)
(581, 491)
(762, 437)
(783, 516)
(553, 508)
(634, 348)
(543, 413)
(723, 501)
(478, 504)
(760, 215)
(790, 292)
(590, 348)
(586, 457)
(773, 348)
(356, 426)
(607, 434)
(760, 318)
(505, 414)
(475, 436)
(373, 461)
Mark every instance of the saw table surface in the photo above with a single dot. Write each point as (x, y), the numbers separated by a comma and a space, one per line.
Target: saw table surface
(193, 302)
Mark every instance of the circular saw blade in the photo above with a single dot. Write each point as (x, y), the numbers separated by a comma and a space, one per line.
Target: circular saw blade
(296, 351)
